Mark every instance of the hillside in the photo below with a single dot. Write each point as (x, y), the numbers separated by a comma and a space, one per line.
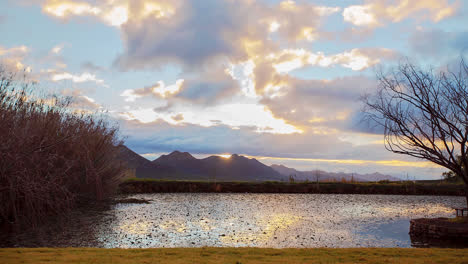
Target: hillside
(133, 160)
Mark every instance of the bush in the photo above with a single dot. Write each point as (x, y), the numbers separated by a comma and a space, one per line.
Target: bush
(51, 158)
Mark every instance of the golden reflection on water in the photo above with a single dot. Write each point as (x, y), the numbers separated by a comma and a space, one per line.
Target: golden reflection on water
(292, 221)
(206, 224)
(410, 212)
(265, 229)
(173, 225)
(137, 228)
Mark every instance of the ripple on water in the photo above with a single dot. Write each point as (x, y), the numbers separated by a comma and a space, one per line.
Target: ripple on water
(268, 220)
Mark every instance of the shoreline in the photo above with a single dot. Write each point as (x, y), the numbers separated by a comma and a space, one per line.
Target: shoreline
(131, 186)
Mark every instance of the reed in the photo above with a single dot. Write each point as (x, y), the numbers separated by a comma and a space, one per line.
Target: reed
(51, 158)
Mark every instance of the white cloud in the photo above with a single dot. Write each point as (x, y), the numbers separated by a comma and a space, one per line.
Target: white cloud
(57, 49)
(360, 16)
(84, 77)
(234, 115)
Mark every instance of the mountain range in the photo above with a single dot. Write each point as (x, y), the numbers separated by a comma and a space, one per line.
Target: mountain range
(330, 176)
(183, 166)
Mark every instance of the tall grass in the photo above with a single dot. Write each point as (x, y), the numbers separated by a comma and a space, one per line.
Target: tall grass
(51, 158)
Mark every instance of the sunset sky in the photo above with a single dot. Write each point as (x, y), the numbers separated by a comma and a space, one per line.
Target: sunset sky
(276, 80)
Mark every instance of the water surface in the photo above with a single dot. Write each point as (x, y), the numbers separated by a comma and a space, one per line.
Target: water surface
(268, 220)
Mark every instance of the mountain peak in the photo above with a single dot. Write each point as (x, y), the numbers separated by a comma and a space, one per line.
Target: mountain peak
(178, 155)
(278, 166)
(174, 156)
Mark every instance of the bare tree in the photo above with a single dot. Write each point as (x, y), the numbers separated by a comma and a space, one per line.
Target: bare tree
(424, 114)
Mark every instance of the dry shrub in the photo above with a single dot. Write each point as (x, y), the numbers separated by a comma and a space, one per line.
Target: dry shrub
(51, 159)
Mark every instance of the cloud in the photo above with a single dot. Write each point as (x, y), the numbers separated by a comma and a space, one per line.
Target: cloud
(320, 106)
(234, 115)
(195, 33)
(355, 59)
(57, 49)
(222, 138)
(235, 91)
(19, 51)
(201, 90)
(296, 21)
(316, 106)
(159, 89)
(209, 88)
(89, 66)
(376, 13)
(12, 59)
(107, 11)
(360, 16)
(53, 58)
(79, 101)
(306, 151)
(231, 58)
(57, 76)
(273, 84)
(199, 33)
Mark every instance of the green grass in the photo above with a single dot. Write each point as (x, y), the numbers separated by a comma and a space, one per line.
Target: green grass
(231, 255)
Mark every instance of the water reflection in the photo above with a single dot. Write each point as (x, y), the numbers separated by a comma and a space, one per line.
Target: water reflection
(139, 227)
(269, 220)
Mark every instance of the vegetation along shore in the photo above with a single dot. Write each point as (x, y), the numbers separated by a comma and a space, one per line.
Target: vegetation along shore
(136, 185)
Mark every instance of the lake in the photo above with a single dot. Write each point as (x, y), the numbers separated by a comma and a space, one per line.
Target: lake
(267, 220)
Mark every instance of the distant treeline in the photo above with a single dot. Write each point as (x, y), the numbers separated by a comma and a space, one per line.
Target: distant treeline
(383, 187)
(51, 157)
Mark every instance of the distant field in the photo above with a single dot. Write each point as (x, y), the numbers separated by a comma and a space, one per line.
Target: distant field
(232, 255)
(138, 185)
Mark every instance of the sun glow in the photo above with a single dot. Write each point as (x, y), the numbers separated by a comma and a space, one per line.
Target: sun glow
(389, 163)
(226, 156)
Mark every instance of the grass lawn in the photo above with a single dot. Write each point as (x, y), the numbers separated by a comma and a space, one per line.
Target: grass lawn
(232, 255)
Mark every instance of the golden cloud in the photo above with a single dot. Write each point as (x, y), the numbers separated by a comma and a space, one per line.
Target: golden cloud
(374, 13)
(111, 12)
(12, 58)
(355, 59)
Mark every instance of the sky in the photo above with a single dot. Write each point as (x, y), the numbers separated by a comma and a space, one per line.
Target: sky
(279, 81)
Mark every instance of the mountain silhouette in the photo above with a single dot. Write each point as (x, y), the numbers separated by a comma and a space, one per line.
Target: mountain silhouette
(183, 166)
(234, 168)
(329, 176)
(174, 158)
(132, 159)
